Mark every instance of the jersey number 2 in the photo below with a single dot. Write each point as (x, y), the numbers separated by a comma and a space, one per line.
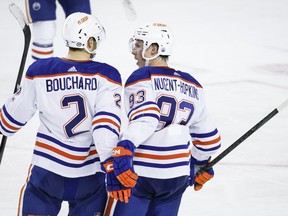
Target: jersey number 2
(80, 115)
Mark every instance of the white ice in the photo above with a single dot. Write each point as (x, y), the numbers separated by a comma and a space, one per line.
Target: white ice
(237, 49)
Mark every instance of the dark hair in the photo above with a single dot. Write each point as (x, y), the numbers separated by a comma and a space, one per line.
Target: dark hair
(163, 57)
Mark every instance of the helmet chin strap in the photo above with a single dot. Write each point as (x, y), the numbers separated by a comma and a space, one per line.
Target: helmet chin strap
(92, 53)
(150, 58)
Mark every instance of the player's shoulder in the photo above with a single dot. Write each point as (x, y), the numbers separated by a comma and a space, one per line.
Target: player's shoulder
(56, 65)
(106, 71)
(141, 74)
(187, 77)
(145, 73)
(40, 66)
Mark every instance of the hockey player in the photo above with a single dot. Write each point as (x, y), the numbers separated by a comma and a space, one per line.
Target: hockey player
(79, 110)
(169, 136)
(42, 15)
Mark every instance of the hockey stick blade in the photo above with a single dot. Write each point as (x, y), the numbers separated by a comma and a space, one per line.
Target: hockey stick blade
(20, 17)
(246, 135)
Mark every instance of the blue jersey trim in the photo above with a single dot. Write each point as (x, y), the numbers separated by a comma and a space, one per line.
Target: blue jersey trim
(169, 165)
(66, 163)
(79, 149)
(11, 119)
(204, 135)
(170, 148)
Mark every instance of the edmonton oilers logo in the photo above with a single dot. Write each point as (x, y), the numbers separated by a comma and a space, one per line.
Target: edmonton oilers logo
(36, 6)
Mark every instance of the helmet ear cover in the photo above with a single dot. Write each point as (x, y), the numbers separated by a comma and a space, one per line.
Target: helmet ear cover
(79, 27)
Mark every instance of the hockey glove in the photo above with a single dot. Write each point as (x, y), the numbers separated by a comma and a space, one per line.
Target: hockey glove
(198, 176)
(123, 163)
(115, 189)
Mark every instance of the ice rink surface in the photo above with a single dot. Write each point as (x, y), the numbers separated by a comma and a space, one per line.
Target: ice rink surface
(238, 50)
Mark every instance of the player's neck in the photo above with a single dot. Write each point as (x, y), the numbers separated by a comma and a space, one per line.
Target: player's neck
(78, 55)
(158, 62)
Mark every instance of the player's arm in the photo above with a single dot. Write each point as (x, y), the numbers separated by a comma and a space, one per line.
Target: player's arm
(141, 109)
(206, 141)
(19, 108)
(143, 117)
(106, 130)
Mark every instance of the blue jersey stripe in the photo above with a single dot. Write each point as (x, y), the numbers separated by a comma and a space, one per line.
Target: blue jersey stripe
(108, 114)
(205, 135)
(145, 115)
(107, 127)
(144, 104)
(156, 165)
(52, 139)
(57, 160)
(4, 129)
(208, 149)
(170, 148)
(11, 119)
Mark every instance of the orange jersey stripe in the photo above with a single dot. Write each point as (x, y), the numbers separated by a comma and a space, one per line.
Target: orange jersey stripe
(41, 52)
(103, 120)
(22, 190)
(64, 154)
(198, 142)
(162, 157)
(142, 110)
(6, 123)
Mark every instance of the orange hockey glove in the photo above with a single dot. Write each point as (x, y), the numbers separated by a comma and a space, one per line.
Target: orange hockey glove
(114, 187)
(199, 177)
(123, 163)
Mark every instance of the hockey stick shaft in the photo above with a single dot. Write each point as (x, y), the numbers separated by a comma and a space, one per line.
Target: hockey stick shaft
(18, 14)
(129, 10)
(246, 135)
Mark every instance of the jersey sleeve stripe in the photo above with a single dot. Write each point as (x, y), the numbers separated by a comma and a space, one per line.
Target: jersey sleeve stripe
(106, 120)
(141, 113)
(7, 125)
(147, 115)
(207, 149)
(5, 131)
(144, 104)
(204, 135)
(106, 127)
(11, 119)
(210, 142)
(108, 114)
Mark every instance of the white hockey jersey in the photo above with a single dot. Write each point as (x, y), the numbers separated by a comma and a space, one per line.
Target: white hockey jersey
(168, 122)
(77, 101)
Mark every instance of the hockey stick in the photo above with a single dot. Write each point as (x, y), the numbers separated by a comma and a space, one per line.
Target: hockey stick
(18, 14)
(246, 135)
(129, 10)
